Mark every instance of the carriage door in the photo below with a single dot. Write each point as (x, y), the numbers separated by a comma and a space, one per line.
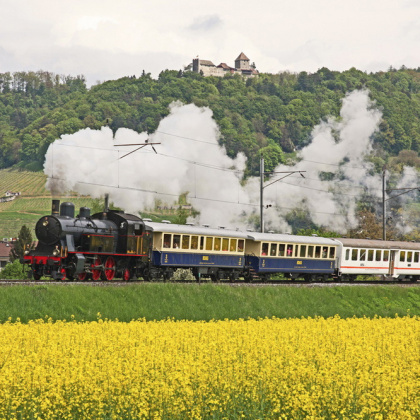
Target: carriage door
(391, 261)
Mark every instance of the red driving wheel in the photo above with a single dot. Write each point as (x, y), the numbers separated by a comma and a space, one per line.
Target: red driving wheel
(96, 272)
(82, 276)
(109, 270)
(126, 274)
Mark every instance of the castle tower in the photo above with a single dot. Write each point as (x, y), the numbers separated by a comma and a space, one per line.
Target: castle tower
(242, 62)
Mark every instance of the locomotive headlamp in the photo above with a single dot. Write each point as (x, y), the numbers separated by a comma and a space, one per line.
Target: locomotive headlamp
(56, 251)
(45, 222)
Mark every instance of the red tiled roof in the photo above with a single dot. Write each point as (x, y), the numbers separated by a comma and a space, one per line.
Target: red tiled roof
(225, 66)
(5, 249)
(242, 56)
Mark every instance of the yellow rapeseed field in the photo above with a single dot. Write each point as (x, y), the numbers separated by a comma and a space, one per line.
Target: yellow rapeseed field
(269, 368)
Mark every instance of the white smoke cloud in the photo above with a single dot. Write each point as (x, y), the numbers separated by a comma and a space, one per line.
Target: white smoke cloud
(404, 191)
(338, 147)
(190, 160)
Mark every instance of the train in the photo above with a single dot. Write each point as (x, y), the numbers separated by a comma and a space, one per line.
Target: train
(113, 244)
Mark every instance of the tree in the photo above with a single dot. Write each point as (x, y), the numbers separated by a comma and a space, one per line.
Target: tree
(272, 155)
(24, 239)
(14, 270)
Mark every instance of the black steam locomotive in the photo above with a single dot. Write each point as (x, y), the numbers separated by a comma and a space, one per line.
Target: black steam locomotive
(102, 246)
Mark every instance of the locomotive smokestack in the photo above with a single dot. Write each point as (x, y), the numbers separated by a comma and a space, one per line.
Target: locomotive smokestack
(106, 206)
(55, 208)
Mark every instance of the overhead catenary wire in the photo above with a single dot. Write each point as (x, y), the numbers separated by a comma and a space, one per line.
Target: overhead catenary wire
(198, 198)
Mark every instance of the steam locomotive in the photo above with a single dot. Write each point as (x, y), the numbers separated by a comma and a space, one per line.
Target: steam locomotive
(101, 246)
(113, 244)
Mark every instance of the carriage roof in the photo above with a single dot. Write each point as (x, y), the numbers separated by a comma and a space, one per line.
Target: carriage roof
(195, 230)
(378, 244)
(293, 239)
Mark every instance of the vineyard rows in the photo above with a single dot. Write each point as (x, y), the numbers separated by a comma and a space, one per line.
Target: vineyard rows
(34, 201)
(27, 183)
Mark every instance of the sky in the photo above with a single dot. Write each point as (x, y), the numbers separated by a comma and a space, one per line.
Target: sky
(105, 40)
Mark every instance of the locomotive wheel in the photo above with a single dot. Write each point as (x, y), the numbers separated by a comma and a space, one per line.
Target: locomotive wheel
(82, 276)
(96, 272)
(36, 275)
(63, 274)
(109, 270)
(126, 274)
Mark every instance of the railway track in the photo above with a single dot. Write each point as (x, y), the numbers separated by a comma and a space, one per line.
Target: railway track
(295, 283)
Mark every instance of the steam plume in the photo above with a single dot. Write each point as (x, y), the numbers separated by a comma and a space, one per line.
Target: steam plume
(190, 160)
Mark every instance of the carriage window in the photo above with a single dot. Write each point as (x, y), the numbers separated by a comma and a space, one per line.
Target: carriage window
(176, 242)
(303, 251)
(241, 245)
(310, 251)
(217, 242)
(378, 255)
(209, 244)
(416, 257)
(201, 243)
(273, 250)
(297, 250)
(362, 255)
(386, 256)
(354, 253)
(185, 241)
(264, 248)
(402, 256)
(289, 250)
(325, 252)
(332, 252)
(409, 256)
(166, 240)
(317, 252)
(225, 244)
(233, 245)
(282, 248)
(194, 242)
(347, 254)
(370, 255)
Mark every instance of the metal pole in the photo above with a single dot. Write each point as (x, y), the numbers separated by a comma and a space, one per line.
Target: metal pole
(261, 194)
(383, 206)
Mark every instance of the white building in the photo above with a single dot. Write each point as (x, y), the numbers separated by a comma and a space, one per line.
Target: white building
(242, 66)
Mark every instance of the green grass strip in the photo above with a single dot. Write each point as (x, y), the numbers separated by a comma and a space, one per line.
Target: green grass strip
(156, 301)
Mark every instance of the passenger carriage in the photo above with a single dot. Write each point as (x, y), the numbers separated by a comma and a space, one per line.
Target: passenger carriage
(395, 259)
(208, 252)
(309, 257)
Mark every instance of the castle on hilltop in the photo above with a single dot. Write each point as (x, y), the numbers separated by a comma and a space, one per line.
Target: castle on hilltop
(242, 66)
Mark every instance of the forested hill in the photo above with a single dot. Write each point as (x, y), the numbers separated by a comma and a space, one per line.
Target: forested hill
(270, 115)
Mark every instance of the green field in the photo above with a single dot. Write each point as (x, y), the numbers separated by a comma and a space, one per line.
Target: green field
(156, 301)
(33, 202)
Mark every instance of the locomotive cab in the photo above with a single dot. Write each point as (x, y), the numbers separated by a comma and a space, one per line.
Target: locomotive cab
(131, 230)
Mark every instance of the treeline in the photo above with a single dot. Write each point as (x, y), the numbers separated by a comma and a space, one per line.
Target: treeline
(270, 115)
